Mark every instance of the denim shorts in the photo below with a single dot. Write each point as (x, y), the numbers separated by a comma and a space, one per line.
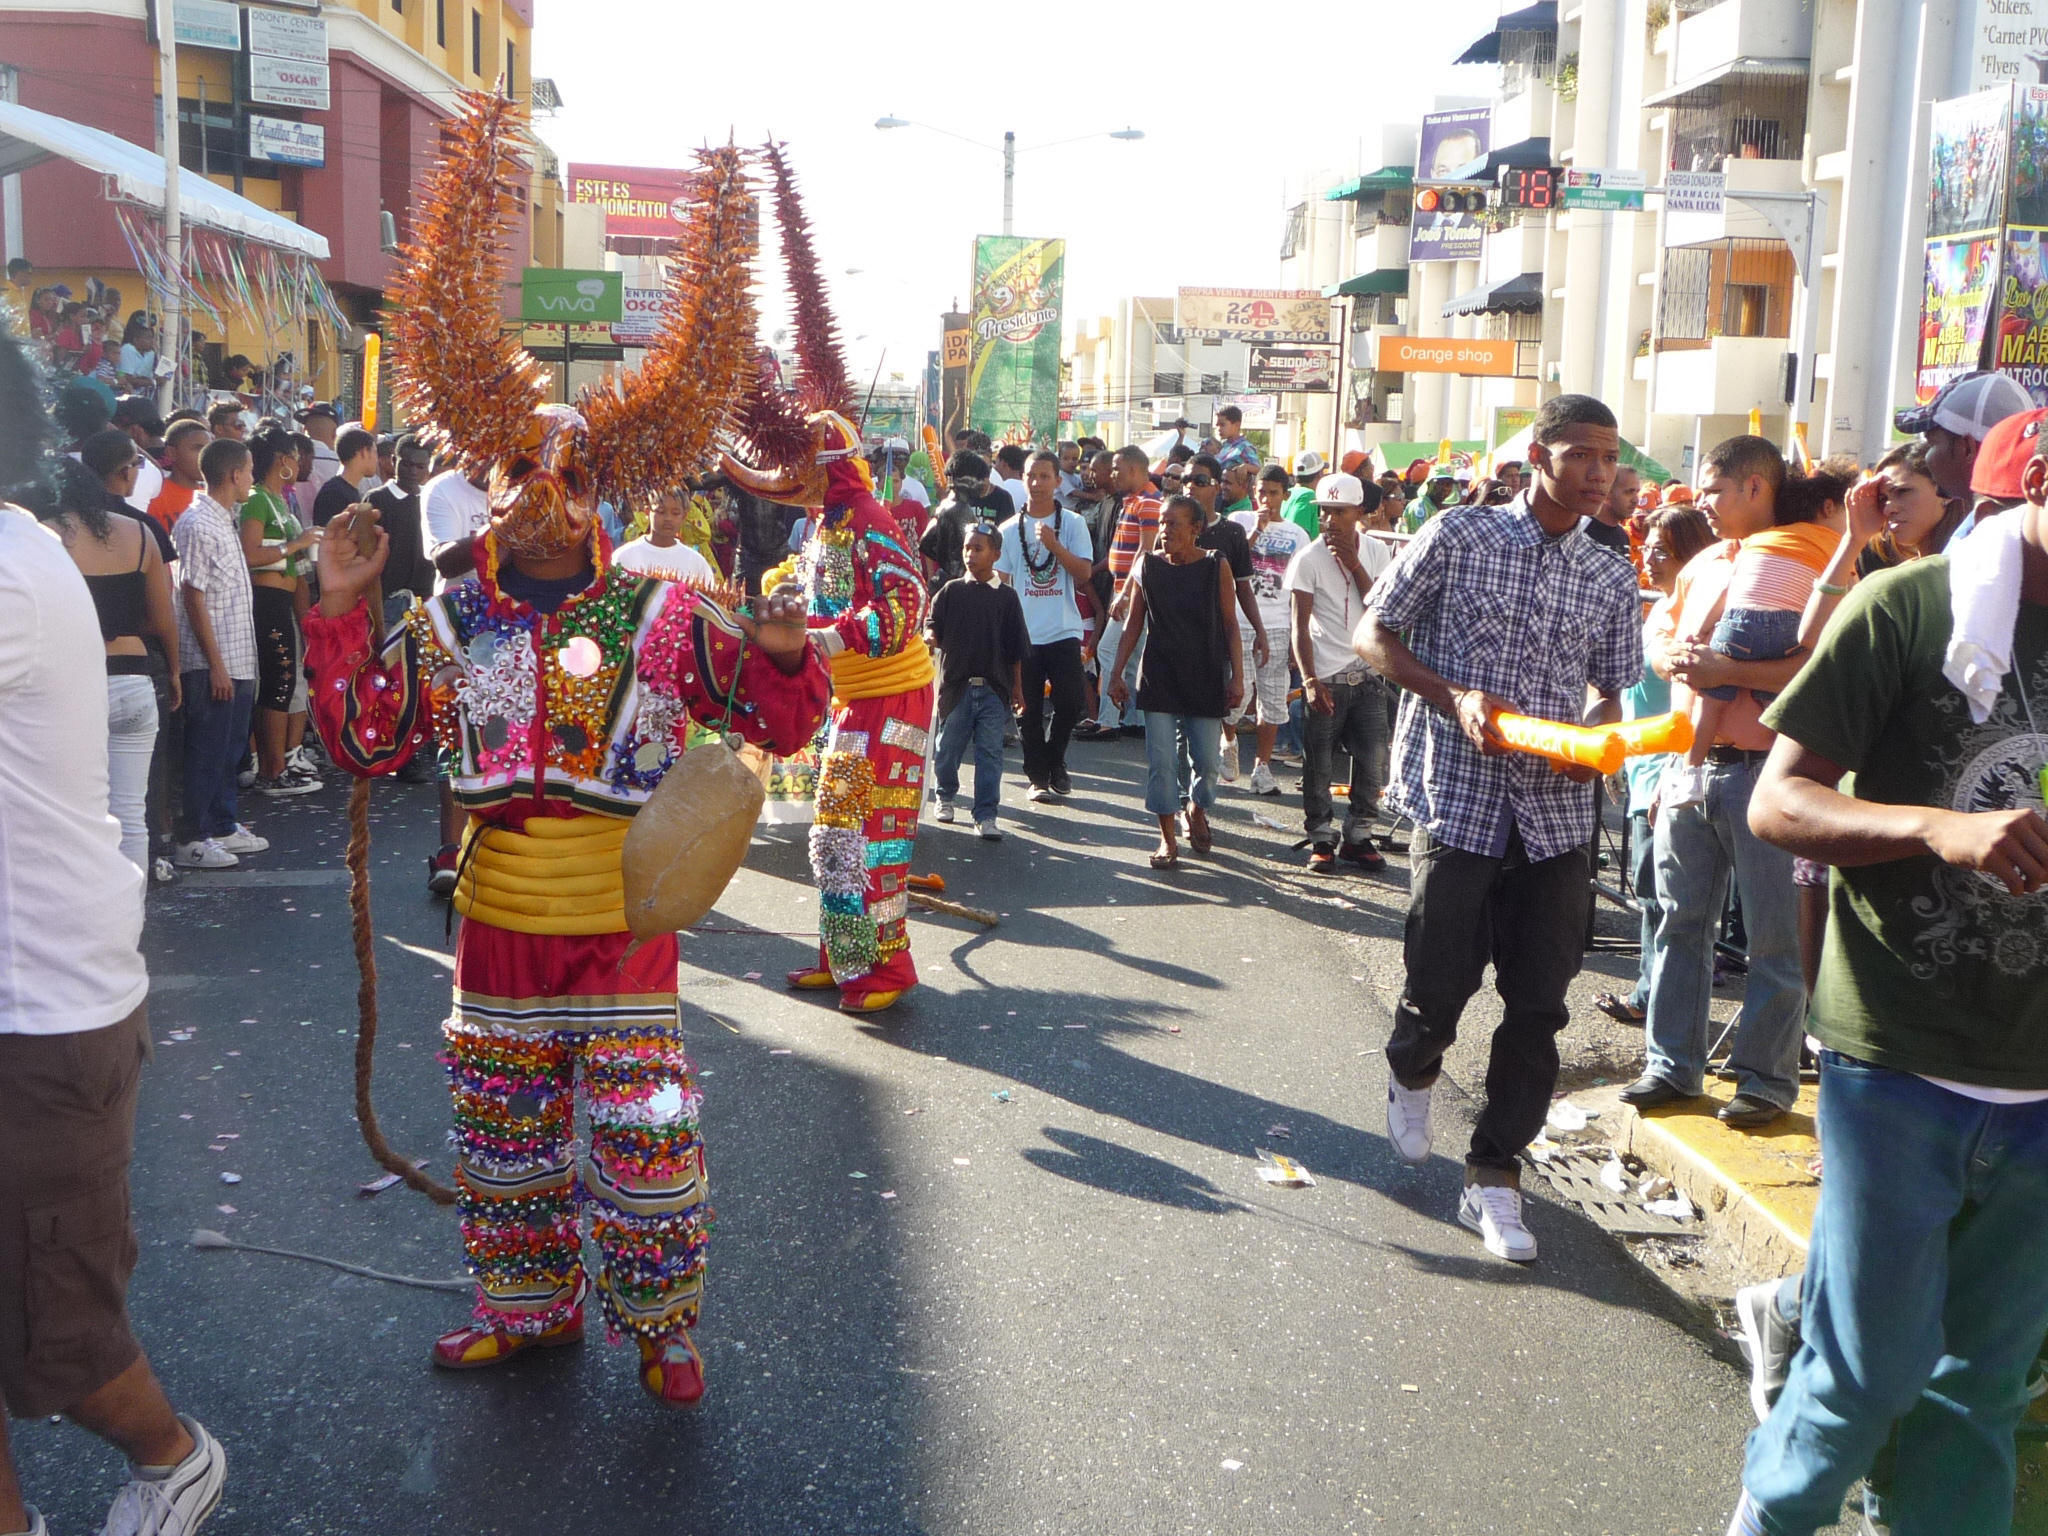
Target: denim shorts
(1754, 634)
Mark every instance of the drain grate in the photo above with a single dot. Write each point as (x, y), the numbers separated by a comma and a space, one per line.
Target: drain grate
(1576, 1176)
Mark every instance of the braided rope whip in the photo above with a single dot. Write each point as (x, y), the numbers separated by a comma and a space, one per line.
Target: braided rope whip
(366, 1000)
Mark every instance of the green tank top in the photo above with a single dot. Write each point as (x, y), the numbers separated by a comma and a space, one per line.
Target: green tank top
(279, 526)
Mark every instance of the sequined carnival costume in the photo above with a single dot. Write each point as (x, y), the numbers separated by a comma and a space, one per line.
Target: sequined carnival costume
(867, 607)
(867, 603)
(561, 689)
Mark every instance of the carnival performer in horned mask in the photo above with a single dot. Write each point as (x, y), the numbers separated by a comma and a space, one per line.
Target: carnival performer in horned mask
(561, 688)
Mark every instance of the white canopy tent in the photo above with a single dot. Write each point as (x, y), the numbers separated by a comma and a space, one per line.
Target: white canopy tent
(135, 174)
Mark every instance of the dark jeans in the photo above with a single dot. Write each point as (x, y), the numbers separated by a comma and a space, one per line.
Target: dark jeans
(1060, 664)
(975, 722)
(1465, 909)
(166, 765)
(216, 734)
(1356, 726)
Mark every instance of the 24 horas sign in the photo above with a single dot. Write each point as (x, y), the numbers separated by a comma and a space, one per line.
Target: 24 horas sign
(1254, 314)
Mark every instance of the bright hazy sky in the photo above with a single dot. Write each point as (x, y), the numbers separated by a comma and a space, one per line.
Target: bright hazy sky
(1239, 104)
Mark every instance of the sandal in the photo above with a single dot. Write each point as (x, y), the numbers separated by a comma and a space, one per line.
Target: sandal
(1199, 836)
(1616, 1007)
(1169, 859)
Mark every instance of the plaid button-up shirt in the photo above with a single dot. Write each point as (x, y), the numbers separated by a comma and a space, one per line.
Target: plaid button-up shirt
(1488, 600)
(210, 558)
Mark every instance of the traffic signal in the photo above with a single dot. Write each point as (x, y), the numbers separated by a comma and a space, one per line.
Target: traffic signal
(1455, 198)
(1528, 187)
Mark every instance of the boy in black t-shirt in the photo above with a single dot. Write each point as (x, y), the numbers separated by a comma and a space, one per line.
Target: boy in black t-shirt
(977, 623)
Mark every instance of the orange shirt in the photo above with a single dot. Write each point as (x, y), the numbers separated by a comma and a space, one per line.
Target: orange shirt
(1701, 587)
(170, 503)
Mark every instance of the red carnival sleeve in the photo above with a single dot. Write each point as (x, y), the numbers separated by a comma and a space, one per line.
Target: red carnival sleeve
(369, 705)
(694, 653)
(892, 592)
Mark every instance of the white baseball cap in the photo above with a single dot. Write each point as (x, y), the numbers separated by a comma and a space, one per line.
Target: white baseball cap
(1969, 406)
(1309, 462)
(1340, 491)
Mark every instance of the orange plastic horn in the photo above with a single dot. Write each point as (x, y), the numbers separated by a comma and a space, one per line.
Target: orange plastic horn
(1656, 733)
(1567, 745)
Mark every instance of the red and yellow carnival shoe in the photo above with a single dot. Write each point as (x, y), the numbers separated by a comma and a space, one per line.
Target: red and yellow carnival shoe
(476, 1346)
(671, 1370)
(855, 1000)
(812, 978)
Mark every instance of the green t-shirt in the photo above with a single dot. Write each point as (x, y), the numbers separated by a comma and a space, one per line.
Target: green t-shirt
(1300, 508)
(279, 526)
(1927, 968)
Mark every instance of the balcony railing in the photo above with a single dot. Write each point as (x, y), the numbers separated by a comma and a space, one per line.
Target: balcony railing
(1737, 288)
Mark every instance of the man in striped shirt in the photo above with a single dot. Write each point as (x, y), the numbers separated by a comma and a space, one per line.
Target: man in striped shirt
(1137, 528)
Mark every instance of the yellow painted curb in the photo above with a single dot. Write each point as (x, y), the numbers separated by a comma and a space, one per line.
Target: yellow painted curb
(1753, 1185)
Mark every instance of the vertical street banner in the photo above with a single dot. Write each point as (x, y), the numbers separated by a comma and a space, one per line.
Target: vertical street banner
(2020, 336)
(1968, 175)
(1013, 381)
(956, 357)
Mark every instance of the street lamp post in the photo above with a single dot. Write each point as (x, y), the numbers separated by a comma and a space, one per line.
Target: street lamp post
(1009, 153)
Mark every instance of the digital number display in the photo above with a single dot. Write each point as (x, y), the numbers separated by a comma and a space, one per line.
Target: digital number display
(1521, 188)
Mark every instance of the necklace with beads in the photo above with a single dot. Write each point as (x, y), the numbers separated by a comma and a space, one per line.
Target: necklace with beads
(1040, 574)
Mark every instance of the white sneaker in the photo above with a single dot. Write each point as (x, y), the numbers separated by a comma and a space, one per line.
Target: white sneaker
(1226, 765)
(207, 853)
(245, 778)
(285, 786)
(302, 760)
(988, 831)
(1494, 1211)
(1263, 782)
(1768, 1342)
(242, 840)
(35, 1523)
(1042, 794)
(946, 811)
(163, 872)
(1682, 785)
(177, 1503)
(1408, 1122)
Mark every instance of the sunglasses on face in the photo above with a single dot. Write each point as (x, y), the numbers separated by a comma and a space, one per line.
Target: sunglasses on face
(1201, 480)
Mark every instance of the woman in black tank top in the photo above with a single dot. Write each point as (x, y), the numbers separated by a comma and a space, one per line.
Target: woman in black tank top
(1185, 599)
(131, 589)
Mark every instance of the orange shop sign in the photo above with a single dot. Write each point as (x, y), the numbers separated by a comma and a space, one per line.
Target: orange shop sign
(1446, 354)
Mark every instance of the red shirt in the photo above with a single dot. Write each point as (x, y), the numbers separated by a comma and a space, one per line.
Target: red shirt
(170, 503)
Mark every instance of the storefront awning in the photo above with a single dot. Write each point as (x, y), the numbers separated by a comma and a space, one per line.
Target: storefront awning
(1523, 155)
(1388, 178)
(29, 137)
(1522, 295)
(1705, 90)
(1385, 280)
(1541, 17)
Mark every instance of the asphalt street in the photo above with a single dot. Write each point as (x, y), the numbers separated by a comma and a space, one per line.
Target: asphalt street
(997, 1262)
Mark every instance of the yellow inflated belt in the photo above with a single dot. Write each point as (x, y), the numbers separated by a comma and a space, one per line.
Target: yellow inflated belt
(558, 876)
(876, 677)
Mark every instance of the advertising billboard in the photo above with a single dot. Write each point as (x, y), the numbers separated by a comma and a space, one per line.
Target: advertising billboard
(1253, 314)
(1966, 171)
(282, 35)
(956, 359)
(1446, 354)
(1961, 287)
(1450, 140)
(2021, 347)
(640, 202)
(1014, 378)
(285, 142)
(1286, 369)
(287, 83)
(572, 296)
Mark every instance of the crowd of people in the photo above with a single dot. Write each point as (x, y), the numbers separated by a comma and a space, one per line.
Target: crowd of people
(1858, 823)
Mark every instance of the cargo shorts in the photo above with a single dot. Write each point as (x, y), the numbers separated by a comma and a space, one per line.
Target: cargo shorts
(67, 1243)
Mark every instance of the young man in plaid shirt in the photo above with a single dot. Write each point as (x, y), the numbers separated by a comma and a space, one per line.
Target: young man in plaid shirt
(1510, 608)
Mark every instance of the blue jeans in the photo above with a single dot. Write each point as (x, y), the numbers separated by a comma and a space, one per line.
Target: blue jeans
(1642, 880)
(1165, 738)
(978, 718)
(1755, 634)
(1926, 1298)
(1106, 714)
(216, 731)
(1697, 849)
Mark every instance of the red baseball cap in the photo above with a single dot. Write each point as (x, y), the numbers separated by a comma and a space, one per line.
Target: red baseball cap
(2007, 449)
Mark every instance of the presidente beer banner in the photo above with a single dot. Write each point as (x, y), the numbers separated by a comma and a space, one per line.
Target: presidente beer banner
(1013, 383)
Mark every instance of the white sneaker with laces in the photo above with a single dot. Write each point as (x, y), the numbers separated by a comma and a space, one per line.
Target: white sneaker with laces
(1767, 1340)
(1226, 764)
(1494, 1211)
(1408, 1122)
(1263, 782)
(242, 840)
(946, 811)
(207, 853)
(176, 1502)
(1041, 794)
(988, 831)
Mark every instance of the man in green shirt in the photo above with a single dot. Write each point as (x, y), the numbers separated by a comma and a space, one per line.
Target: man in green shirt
(1441, 492)
(1300, 509)
(1926, 1290)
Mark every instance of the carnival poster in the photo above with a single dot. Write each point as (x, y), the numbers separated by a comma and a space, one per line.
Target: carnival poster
(1014, 377)
(1955, 314)
(2021, 349)
(1967, 161)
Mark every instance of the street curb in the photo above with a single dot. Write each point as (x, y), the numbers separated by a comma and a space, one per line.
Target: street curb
(1765, 1228)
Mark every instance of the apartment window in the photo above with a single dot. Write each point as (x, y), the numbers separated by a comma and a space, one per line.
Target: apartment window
(441, 23)
(1525, 58)
(1745, 308)
(476, 42)
(1731, 288)
(1296, 233)
(511, 69)
(1739, 117)
(398, 6)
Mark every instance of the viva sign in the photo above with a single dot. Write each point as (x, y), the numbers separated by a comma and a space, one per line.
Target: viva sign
(570, 297)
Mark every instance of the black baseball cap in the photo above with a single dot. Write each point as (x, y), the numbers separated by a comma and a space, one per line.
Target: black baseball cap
(320, 408)
(138, 411)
